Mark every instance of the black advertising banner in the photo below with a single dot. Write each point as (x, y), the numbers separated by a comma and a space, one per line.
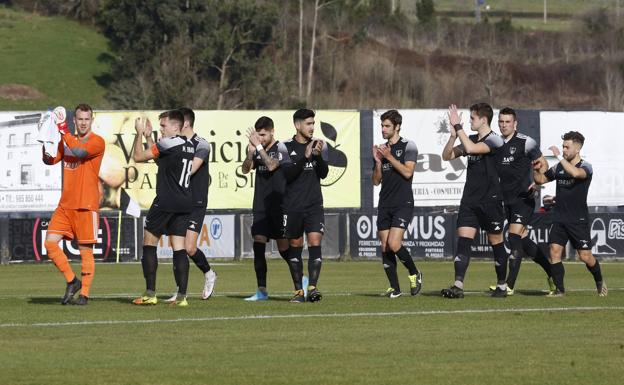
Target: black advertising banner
(432, 235)
(428, 235)
(27, 236)
(606, 232)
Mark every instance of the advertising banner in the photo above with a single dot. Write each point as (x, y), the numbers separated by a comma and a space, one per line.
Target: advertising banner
(606, 230)
(26, 184)
(607, 234)
(428, 235)
(27, 236)
(603, 137)
(216, 238)
(226, 132)
(332, 239)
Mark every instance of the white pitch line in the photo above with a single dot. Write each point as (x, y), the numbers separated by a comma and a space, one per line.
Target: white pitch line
(318, 315)
(521, 292)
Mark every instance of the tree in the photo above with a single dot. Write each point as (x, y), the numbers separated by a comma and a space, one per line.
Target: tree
(242, 32)
(182, 45)
(425, 11)
(300, 56)
(317, 7)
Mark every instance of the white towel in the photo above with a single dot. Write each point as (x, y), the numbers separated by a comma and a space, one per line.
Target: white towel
(48, 133)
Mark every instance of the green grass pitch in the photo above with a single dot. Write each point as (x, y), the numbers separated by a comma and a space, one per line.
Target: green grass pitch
(352, 336)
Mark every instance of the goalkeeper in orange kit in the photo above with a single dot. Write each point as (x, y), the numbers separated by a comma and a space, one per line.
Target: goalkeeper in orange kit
(77, 215)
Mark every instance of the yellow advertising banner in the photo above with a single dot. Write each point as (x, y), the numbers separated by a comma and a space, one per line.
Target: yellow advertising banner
(226, 133)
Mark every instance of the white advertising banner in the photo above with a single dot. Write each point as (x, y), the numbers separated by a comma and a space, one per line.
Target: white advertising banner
(436, 182)
(604, 135)
(26, 184)
(216, 238)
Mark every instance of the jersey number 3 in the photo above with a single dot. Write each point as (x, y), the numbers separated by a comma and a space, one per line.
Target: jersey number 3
(185, 176)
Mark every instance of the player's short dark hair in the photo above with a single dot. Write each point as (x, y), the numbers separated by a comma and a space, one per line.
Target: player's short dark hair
(83, 107)
(173, 115)
(393, 116)
(264, 122)
(574, 136)
(508, 111)
(483, 110)
(303, 114)
(188, 114)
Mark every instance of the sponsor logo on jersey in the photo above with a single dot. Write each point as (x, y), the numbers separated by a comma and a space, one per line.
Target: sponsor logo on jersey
(508, 159)
(72, 165)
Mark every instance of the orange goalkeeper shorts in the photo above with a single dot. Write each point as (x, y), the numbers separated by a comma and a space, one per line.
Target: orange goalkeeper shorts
(80, 224)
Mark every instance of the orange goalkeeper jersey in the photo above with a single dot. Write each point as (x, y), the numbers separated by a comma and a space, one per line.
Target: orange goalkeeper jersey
(83, 157)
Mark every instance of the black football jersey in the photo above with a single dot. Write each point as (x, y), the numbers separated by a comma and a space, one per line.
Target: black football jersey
(269, 185)
(303, 176)
(514, 162)
(571, 193)
(395, 189)
(200, 180)
(173, 180)
(482, 182)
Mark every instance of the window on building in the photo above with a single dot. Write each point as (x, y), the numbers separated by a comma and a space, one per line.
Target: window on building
(26, 138)
(26, 173)
(12, 140)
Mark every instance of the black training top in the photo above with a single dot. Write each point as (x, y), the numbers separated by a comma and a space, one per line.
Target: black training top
(482, 182)
(571, 195)
(303, 176)
(514, 161)
(200, 180)
(395, 189)
(269, 185)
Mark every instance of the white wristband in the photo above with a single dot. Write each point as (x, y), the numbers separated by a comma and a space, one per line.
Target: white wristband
(259, 147)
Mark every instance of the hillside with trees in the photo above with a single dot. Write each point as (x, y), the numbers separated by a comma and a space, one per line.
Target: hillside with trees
(336, 54)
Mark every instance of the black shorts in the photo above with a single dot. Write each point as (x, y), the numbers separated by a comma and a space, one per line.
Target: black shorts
(400, 217)
(309, 221)
(160, 222)
(520, 211)
(577, 233)
(488, 216)
(269, 224)
(196, 219)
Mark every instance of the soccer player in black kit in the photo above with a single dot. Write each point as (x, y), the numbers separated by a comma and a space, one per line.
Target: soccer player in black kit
(263, 156)
(168, 214)
(514, 162)
(482, 200)
(199, 188)
(394, 166)
(303, 160)
(571, 215)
